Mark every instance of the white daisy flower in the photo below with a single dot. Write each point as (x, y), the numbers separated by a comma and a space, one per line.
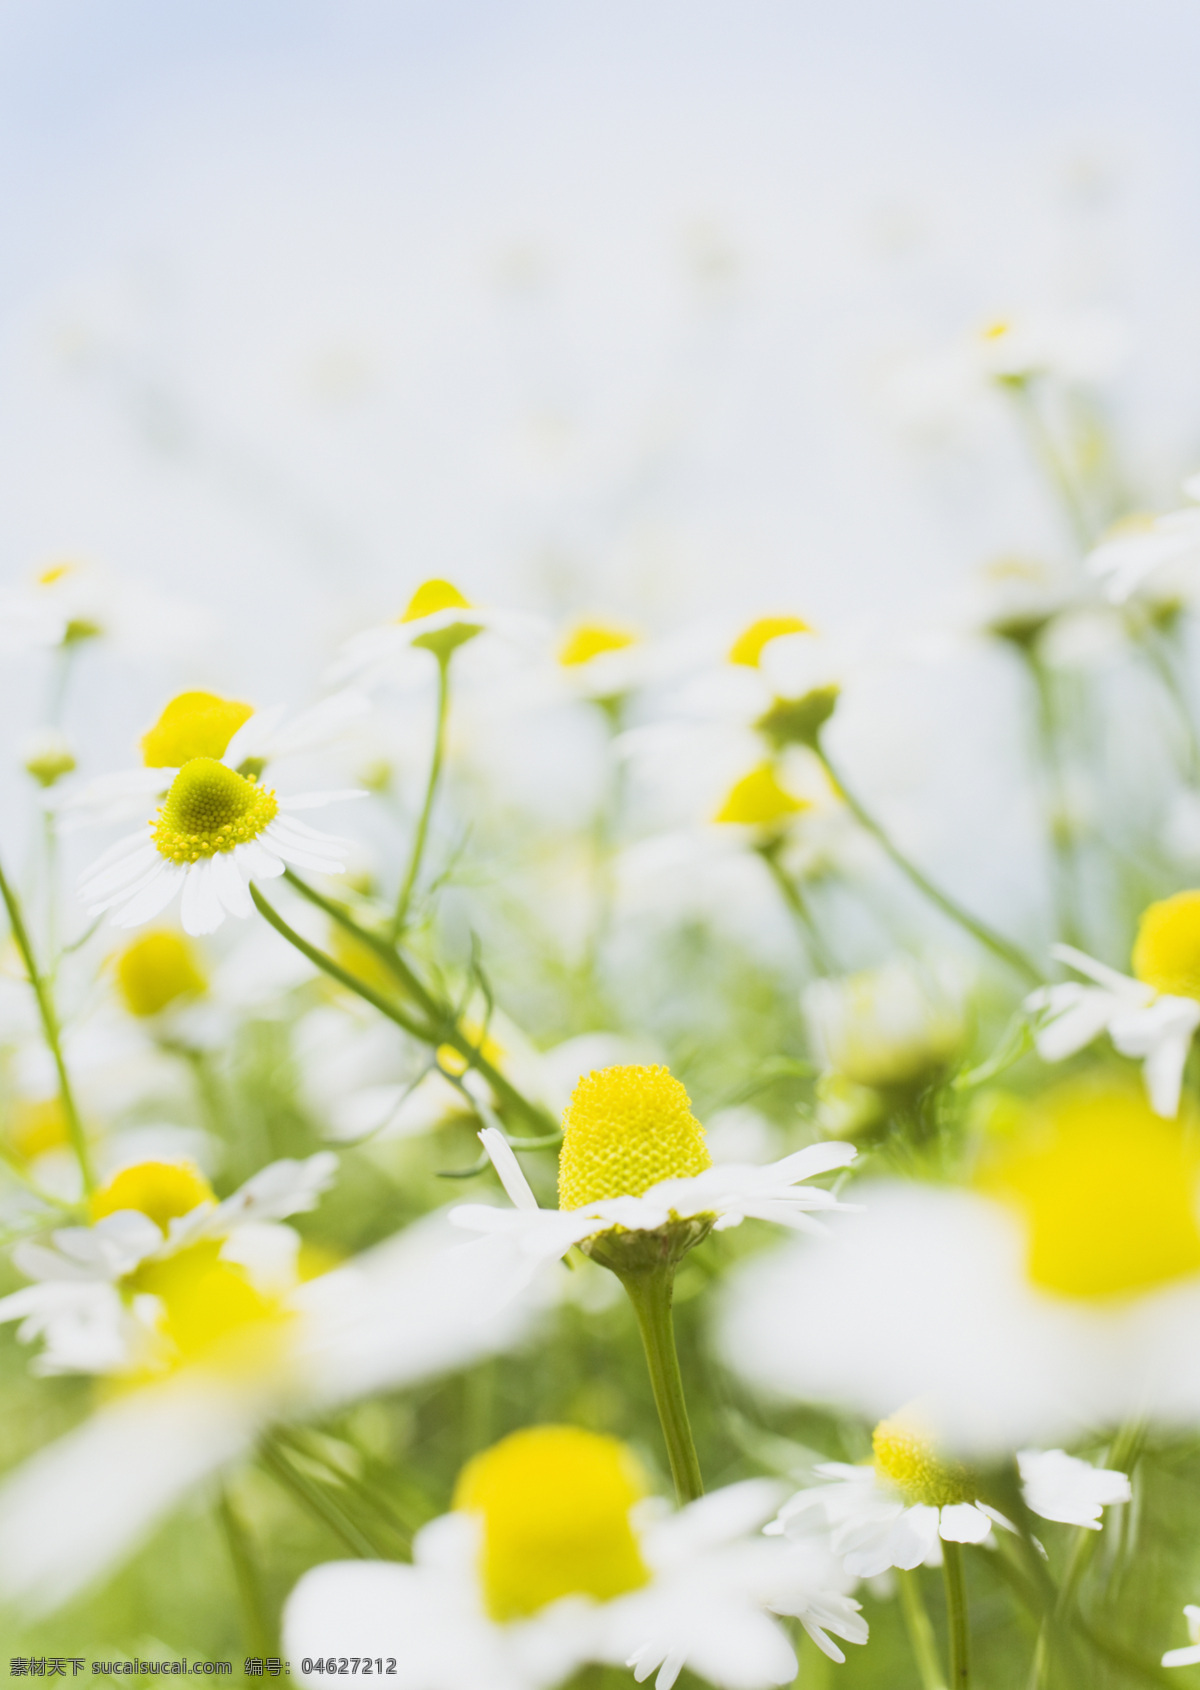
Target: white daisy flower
(215, 833)
(553, 1557)
(1141, 549)
(231, 1342)
(1141, 1017)
(1058, 1296)
(634, 1157)
(895, 1026)
(898, 1509)
(1191, 1655)
(203, 724)
(438, 618)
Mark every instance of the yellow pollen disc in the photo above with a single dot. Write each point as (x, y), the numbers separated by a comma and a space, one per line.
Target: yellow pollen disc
(161, 1190)
(211, 1312)
(194, 724)
(1107, 1190)
(996, 330)
(906, 1459)
(758, 800)
(36, 1127)
(747, 649)
(156, 970)
(432, 596)
(1166, 952)
(209, 809)
(555, 1504)
(623, 1131)
(56, 572)
(593, 639)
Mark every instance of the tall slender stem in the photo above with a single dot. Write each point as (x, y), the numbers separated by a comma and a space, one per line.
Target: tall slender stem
(797, 903)
(50, 1030)
(920, 1630)
(247, 1576)
(957, 1618)
(1155, 644)
(319, 1503)
(1049, 459)
(987, 936)
(431, 785)
(1059, 826)
(651, 1292)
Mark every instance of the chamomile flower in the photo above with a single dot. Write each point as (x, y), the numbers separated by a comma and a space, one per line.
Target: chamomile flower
(891, 1028)
(438, 618)
(215, 833)
(1140, 549)
(1057, 1295)
(634, 1160)
(897, 1509)
(553, 1556)
(1189, 1656)
(1153, 1015)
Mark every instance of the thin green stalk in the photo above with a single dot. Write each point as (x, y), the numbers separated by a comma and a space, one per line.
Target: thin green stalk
(442, 1022)
(920, 1630)
(1059, 828)
(651, 1292)
(1160, 658)
(797, 903)
(50, 1031)
(999, 946)
(957, 1617)
(319, 1503)
(431, 785)
(259, 1631)
(1049, 459)
(604, 829)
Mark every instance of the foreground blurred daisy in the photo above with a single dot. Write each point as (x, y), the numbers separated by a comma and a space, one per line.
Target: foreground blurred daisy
(200, 1310)
(216, 832)
(1153, 1015)
(897, 1510)
(1060, 1294)
(553, 1557)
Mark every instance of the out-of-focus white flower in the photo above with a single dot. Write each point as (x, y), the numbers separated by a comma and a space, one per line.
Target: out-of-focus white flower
(623, 1128)
(1141, 1021)
(894, 1026)
(438, 619)
(1158, 549)
(1058, 1296)
(27, 623)
(1191, 1655)
(1061, 1487)
(553, 1558)
(413, 1307)
(216, 832)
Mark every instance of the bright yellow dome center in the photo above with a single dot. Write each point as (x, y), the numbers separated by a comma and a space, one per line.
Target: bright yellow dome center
(593, 639)
(1108, 1191)
(623, 1131)
(555, 1504)
(209, 809)
(194, 724)
(432, 596)
(906, 1459)
(758, 800)
(748, 648)
(1166, 952)
(158, 969)
(210, 1310)
(161, 1190)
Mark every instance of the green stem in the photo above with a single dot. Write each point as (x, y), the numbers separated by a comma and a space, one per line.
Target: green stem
(259, 1634)
(431, 786)
(650, 1292)
(318, 1503)
(1049, 459)
(999, 946)
(920, 1630)
(797, 903)
(1158, 653)
(442, 1023)
(1059, 826)
(50, 1030)
(957, 1617)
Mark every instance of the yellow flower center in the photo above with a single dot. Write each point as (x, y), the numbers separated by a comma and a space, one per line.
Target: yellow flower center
(1166, 952)
(593, 639)
(210, 1310)
(432, 596)
(1108, 1193)
(747, 649)
(996, 330)
(758, 800)
(194, 724)
(907, 1460)
(161, 1190)
(555, 1504)
(209, 809)
(623, 1131)
(156, 970)
(37, 1126)
(55, 573)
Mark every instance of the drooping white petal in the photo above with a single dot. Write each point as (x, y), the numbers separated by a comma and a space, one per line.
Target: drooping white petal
(200, 909)
(146, 901)
(962, 1522)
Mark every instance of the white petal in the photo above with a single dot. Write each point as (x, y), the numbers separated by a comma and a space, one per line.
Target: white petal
(200, 910)
(156, 892)
(229, 884)
(961, 1522)
(503, 1159)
